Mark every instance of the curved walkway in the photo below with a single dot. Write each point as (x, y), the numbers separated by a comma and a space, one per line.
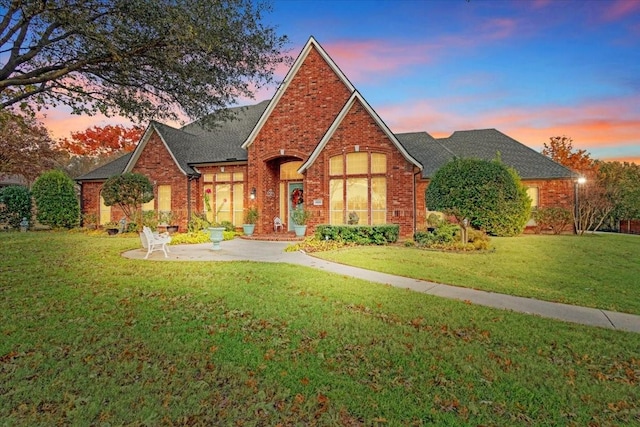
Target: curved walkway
(263, 251)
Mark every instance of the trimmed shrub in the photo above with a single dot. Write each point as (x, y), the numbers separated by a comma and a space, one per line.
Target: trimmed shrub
(488, 193)
(448, 237)
(56, 200)
(555, 219)
(360, 234)
(129, 191)
(15, 204)
(443, 235)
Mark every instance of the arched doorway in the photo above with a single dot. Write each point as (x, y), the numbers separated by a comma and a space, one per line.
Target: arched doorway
(291, 190)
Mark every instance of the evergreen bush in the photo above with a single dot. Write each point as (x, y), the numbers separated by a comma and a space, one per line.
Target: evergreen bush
(15, 204)
(360, 234)
(488, 193)
(56, 200)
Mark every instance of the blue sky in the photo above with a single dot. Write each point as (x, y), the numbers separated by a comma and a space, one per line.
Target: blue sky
(529, 68)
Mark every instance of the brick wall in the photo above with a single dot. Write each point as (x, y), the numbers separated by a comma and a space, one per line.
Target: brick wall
(313, 99)
(156, 163)
(359, 129)
(553, 192)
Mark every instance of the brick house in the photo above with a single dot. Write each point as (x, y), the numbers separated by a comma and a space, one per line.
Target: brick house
(316, 143)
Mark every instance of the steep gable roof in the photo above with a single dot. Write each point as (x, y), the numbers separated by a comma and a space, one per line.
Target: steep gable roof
(356, 97)
(490, 144)
(311, 44)
(173, 139)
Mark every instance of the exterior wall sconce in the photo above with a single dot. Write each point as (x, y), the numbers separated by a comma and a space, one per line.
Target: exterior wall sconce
(252, 196)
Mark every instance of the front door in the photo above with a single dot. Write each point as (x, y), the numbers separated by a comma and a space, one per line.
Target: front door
(296, 198)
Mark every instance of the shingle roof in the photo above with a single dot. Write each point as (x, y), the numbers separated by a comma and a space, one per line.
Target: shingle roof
(425, 149)
(112, 168)
(196, 144)
(489, 144)
(223, 143)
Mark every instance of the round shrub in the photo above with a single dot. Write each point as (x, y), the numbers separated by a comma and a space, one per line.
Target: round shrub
(15, 204)
(56, 200)
(488, 193)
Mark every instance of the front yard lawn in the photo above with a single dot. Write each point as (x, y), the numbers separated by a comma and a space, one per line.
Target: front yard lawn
(594, 270)
(88, 337)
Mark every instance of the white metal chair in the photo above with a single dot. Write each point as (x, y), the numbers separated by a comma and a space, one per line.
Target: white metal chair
(154, 242)
(277, 224)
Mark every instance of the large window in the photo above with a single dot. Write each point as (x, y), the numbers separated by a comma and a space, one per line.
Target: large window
(358, 188)
(224, 197)
(164, 198)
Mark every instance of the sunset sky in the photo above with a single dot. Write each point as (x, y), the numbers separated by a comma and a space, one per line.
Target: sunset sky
(529, 68)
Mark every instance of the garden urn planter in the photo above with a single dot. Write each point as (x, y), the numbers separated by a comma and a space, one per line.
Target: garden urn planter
(248, 229)
(216, 235)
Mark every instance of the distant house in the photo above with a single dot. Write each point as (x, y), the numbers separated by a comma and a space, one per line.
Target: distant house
(317, 143)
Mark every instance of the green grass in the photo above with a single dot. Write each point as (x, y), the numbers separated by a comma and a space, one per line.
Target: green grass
(88, 337)
(601, 270)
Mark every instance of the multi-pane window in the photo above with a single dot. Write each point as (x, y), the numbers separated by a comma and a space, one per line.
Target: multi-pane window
(224, 197)
(358, 188)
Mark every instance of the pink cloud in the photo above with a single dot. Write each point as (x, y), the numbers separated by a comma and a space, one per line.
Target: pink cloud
(365, 60)
(619, 9)
(539, 4)
(499, 28)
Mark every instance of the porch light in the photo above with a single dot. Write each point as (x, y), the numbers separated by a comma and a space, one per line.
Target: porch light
(252, 196)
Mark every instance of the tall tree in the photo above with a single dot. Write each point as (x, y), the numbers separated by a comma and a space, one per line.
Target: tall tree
(625, 178)
(141, 59)
(560, 149)
(26, 149)
(98, 141)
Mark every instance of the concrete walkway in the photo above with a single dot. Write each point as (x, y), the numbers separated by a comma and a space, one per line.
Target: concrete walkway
(262, 251)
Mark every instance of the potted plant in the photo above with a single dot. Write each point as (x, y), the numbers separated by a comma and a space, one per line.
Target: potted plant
(112, 228)
(433, 222)
(299, 217)
(250, 219)
(354, 219)
(168, 220)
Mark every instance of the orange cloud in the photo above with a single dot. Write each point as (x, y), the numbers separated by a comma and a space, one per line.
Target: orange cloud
(60, 122)
(593, 126)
